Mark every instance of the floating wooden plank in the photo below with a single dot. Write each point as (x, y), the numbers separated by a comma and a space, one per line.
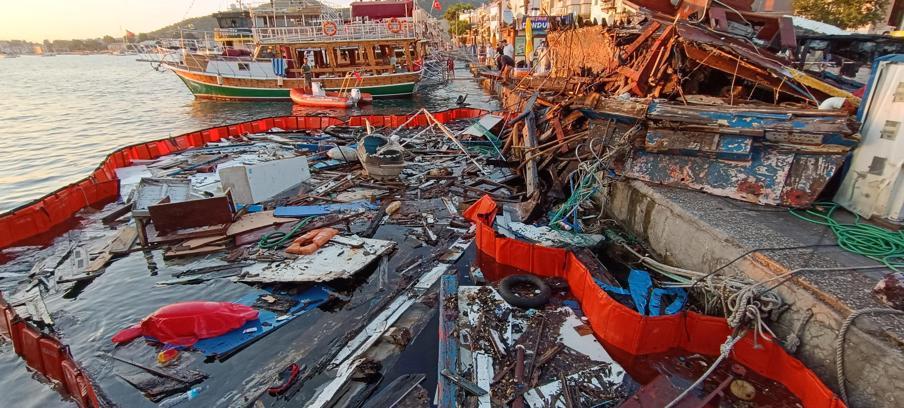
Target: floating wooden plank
(124, 241)
(176, 253)
(446, 389)
(118, 212)
(176, 216)
(184, 235)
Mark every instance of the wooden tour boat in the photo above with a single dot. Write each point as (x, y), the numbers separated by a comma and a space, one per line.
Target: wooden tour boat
(385, 56)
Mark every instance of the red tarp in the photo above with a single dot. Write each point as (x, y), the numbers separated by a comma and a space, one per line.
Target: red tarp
(183, 324)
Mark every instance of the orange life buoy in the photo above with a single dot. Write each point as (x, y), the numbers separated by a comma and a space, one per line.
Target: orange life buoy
(329, 28)
(394, 25)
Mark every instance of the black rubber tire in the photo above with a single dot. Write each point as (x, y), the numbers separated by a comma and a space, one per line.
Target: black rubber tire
(535, 301)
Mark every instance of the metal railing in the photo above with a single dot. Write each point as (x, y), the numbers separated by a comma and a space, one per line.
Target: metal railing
(232, 34)
(344, 32)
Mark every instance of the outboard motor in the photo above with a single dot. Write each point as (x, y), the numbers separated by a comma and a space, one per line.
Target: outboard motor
(317, 89)
(355, 95)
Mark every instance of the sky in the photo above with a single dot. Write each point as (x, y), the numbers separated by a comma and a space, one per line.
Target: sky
(37, 20)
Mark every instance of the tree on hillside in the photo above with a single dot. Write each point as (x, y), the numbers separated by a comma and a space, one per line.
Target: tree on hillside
(108, 39)
(455, 10)
(842, 13)
(459, 27)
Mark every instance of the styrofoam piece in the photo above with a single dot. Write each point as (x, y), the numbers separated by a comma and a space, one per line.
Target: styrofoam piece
(332, 261)
(260, 182)
(129, 178)
(483, 369)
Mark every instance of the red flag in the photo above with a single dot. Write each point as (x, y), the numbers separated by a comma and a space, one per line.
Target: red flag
(130, 34)
(436, 5)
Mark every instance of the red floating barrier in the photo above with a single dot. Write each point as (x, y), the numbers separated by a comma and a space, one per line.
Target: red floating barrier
(52, 356)
(74, 382)
(623, 328)
(31, 348)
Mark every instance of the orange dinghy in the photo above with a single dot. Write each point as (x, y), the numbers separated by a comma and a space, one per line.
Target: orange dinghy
(304, 97)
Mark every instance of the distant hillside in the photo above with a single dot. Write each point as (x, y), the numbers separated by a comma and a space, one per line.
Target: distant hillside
(208, 23)
(204, 23)
(428, 5)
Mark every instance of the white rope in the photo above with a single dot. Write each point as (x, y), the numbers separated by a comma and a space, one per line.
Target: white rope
(839, 343)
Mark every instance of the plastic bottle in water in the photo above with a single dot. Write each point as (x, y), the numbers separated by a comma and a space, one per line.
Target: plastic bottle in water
(179, 399)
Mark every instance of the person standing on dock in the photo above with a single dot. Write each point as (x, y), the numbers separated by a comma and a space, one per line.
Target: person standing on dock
(507, 59)
(490, 56)
(542, 56)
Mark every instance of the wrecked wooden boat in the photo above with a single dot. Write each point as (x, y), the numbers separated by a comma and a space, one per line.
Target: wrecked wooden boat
(381, 158)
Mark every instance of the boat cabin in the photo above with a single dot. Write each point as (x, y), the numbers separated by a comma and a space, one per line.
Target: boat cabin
(338, 58)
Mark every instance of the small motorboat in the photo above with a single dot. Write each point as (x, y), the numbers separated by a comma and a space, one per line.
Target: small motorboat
(318, 98)
(382, 157)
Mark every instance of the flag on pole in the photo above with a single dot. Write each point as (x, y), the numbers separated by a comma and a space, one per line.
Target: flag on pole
(436, 5)
(279, 66)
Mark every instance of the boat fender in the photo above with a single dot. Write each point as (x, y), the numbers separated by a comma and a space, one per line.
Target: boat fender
(329, 28)
(535, 300)
(394, 25)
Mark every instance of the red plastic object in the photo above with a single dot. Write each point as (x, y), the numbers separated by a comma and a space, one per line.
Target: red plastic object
(311, 241)
(183, 324)
(286, 378)
(623, 328)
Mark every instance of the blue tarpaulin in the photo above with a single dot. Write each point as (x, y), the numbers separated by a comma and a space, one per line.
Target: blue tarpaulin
(300, 211)
(647, 299)
(267, 321)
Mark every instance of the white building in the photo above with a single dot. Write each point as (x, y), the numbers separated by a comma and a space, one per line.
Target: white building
(874, 184)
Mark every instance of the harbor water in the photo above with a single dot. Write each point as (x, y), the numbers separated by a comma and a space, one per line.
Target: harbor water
(60, 116)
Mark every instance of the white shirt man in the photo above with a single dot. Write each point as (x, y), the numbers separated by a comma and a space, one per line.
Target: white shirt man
(509, 51)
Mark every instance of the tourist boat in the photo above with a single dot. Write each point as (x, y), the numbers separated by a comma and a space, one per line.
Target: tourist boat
(384, 53)
(322, 99)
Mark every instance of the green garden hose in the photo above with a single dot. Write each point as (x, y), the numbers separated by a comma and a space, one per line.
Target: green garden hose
(873, 242)
(279, 239)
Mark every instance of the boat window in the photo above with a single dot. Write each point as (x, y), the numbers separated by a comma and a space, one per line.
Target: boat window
(244, 66)
(348, 56)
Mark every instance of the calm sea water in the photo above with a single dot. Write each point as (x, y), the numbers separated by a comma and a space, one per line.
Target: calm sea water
(60, 116)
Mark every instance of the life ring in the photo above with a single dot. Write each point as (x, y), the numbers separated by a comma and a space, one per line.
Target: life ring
(329, 28)
(394, 25)
(535, 299)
